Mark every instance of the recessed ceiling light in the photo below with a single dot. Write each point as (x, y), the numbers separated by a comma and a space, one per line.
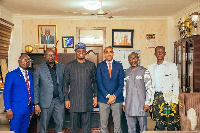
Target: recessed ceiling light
(91, 5)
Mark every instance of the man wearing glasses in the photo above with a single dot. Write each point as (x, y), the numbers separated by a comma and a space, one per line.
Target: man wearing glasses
(48, 92)
(18, 96)
(138, 94)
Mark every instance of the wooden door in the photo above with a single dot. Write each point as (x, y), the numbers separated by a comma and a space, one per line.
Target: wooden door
(95, 40)
(94, 53)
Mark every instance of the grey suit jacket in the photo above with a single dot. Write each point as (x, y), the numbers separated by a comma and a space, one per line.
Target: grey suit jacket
(43, 84)
(44, 41)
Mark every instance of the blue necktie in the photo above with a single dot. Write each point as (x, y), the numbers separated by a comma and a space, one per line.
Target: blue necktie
(47, 40)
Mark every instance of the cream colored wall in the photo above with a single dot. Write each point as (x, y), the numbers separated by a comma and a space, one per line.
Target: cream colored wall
(68, 28)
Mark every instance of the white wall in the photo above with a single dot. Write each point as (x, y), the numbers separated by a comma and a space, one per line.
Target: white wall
(16, 43)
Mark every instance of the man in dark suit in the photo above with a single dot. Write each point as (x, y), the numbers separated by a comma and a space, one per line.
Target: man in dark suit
(48, 88)
(110, 82)
(47, 38)
(18, 96)
(81, 96)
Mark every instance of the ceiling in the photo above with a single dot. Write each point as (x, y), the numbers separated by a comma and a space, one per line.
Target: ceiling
(115, 8)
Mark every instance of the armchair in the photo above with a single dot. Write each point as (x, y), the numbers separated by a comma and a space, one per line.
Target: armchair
(3, 120)
(187, 101)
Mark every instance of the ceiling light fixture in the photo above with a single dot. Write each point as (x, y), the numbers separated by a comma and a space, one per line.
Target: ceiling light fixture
(91, 5)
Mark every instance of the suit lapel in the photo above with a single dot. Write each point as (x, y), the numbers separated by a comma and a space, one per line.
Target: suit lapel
(106, 69)
(22, 80)
(57, 72)
(153, 74)
(113, 68)
(47, 72)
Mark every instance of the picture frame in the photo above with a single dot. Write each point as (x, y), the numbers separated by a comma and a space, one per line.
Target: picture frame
(122, 38)
(47, 35)
(68, 41)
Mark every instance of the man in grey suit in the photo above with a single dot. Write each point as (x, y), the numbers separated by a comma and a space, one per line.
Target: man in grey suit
(48, 92)
(82, 95)
(47, 38)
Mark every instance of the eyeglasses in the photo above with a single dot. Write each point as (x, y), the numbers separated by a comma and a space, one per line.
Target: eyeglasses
(26, 60)
(50, 55)
(132, 58)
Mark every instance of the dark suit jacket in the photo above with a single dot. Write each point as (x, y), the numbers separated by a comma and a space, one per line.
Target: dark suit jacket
(81, 77)
(107, 85)
(44, 41)
(16, 93)
(43, 84)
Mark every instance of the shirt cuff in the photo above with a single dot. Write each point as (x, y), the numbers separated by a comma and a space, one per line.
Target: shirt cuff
(107, 95)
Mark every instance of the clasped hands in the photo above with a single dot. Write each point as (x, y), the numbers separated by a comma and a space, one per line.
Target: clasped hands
(111, 99)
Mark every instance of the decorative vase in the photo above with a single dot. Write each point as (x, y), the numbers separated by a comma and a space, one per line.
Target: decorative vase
(28, 48)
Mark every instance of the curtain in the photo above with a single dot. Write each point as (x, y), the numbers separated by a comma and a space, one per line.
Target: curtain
(5, 36)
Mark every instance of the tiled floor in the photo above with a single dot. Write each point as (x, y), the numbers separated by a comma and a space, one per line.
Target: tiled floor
(151, 125)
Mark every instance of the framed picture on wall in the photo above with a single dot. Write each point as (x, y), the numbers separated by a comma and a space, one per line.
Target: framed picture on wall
(122, 38)
(47, 35)
(68, 42)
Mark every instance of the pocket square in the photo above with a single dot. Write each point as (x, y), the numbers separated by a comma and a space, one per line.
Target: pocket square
(138, 77)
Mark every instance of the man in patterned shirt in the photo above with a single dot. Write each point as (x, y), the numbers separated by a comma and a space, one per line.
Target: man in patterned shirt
(138, 93)
(80, 89)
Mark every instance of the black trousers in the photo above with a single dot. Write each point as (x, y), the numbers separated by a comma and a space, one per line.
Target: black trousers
(80, 117)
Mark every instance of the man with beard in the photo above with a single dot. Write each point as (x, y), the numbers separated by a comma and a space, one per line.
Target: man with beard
(110, 81)
(80, 89)
(48, 92)
(138, 94)
(18, 96)
(164, 76)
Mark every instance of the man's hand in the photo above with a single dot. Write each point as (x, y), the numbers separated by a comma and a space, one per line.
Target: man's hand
(123, 107)
(95, 102)
(146, 108)
(9, 115)
(37, 110)
(67, 104)
(112, 99)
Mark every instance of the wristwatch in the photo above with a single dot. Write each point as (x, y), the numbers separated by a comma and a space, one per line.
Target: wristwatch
(36, 105)
(8, 110)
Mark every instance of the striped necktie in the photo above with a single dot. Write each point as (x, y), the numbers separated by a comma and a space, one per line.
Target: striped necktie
(28, 87)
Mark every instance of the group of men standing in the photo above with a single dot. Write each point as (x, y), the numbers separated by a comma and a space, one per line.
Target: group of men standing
(79, 86)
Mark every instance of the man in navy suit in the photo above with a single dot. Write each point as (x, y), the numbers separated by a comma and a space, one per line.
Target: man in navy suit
(110, 82)
(18, 96)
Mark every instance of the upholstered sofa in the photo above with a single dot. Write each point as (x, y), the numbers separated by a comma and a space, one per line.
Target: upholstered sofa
(4, 123)
(187, 101)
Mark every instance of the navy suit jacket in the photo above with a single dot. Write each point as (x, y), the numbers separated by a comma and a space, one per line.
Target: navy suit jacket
(16, 93)
(107, 85)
